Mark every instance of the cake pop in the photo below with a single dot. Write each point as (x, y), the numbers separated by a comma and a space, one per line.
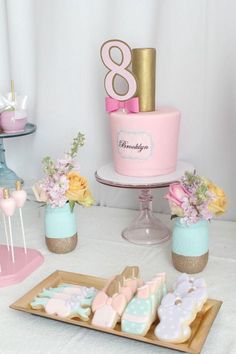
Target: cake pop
(20, 197)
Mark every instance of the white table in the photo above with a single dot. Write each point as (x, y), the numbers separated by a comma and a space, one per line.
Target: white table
(102, 252)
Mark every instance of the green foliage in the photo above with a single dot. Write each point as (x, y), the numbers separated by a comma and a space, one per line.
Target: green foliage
(78, 141)
(48, 165)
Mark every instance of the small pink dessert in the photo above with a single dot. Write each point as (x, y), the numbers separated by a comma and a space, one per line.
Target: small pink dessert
(20, 197)
(8, 205)
(13, 121)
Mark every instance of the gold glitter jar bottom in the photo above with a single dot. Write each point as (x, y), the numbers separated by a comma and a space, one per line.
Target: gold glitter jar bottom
(61, 245)
(190, 265)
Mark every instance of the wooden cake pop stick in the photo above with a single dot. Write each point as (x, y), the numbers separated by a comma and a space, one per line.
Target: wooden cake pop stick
(20, 197)
(131, 272)
(8, 206)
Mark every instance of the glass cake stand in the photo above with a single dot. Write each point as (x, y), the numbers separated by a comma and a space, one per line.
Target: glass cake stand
(146, 228)
(8, 177)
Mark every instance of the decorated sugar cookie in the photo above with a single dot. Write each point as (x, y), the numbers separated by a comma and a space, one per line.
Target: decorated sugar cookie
(110, 303)
(191, 287)
(175, 316)
(138, 314)
(66, 301)
(108, 309)
(69, 289)
(141, 311)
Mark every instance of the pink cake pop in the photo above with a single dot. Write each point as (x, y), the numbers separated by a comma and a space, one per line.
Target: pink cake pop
(20, 197)
(8, 206)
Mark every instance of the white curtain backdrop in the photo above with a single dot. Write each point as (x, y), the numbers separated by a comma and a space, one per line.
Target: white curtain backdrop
(51, 48)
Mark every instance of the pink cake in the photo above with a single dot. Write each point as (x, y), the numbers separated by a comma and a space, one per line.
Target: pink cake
(144, 143)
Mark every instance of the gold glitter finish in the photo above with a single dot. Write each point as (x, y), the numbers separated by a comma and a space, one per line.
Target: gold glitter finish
(61, 245)
(144, 70)
(18, 185)
(190, 265)
(6, 194)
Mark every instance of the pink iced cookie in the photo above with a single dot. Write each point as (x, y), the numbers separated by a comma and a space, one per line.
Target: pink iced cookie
(107, 310)
(70, 307)
(66, 301)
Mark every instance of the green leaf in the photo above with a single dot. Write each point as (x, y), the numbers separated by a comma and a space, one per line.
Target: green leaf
(72, 205)
(78, 141)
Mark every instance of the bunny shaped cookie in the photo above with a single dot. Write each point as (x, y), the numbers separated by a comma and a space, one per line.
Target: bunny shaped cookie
(187, 286)
(175, 316)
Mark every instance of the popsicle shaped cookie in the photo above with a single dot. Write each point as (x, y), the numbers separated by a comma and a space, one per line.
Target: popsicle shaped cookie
(110, 302)
(137, 317)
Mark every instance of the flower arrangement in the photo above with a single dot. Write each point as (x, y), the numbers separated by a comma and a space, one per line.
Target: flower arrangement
(63, 182)
(195, 198)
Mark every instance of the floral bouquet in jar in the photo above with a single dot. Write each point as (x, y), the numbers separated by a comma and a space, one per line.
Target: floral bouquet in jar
(62, 187)
(63, 182)
(195, 198)
(194, 201)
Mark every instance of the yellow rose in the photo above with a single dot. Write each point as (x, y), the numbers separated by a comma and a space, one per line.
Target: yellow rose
(219, 205)
(78, 189)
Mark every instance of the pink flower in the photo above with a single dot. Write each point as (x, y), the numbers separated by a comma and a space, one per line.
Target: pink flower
(177, 194)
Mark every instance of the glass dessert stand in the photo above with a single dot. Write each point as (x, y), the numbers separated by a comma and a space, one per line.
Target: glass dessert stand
(146, 228)
(8, 177)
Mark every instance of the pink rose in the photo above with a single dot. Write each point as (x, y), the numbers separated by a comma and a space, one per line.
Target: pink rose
(177, 193)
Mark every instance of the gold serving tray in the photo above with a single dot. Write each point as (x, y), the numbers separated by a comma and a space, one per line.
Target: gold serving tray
(200, 326)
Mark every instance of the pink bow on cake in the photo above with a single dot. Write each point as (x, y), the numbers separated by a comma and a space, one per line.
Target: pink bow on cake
(131, 105)
(117, 302)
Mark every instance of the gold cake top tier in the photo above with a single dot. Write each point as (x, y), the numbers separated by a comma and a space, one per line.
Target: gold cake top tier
(144, 69)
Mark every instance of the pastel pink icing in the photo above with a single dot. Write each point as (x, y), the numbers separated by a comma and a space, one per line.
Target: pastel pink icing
(8, 206)
(20, 197)
(145, 143)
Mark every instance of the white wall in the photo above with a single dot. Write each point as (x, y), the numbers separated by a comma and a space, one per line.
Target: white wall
(51, 49)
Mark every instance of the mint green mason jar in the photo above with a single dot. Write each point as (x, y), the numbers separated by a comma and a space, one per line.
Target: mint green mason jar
(60, 229)
(190, 246)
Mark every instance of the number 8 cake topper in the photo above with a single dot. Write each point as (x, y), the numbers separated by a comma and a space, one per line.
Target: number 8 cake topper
(120, 69)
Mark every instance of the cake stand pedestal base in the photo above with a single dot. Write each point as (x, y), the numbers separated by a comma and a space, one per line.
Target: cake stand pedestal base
(146, 228)
(24, 265)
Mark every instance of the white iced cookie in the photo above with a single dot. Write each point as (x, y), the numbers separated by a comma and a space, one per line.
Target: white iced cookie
(187, 286)
(175, 316)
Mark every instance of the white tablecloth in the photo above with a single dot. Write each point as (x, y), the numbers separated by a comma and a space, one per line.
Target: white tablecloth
(102, 252)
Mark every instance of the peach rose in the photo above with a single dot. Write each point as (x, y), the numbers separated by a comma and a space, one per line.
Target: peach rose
(78, 189)
(40, 195)
(219, 205)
